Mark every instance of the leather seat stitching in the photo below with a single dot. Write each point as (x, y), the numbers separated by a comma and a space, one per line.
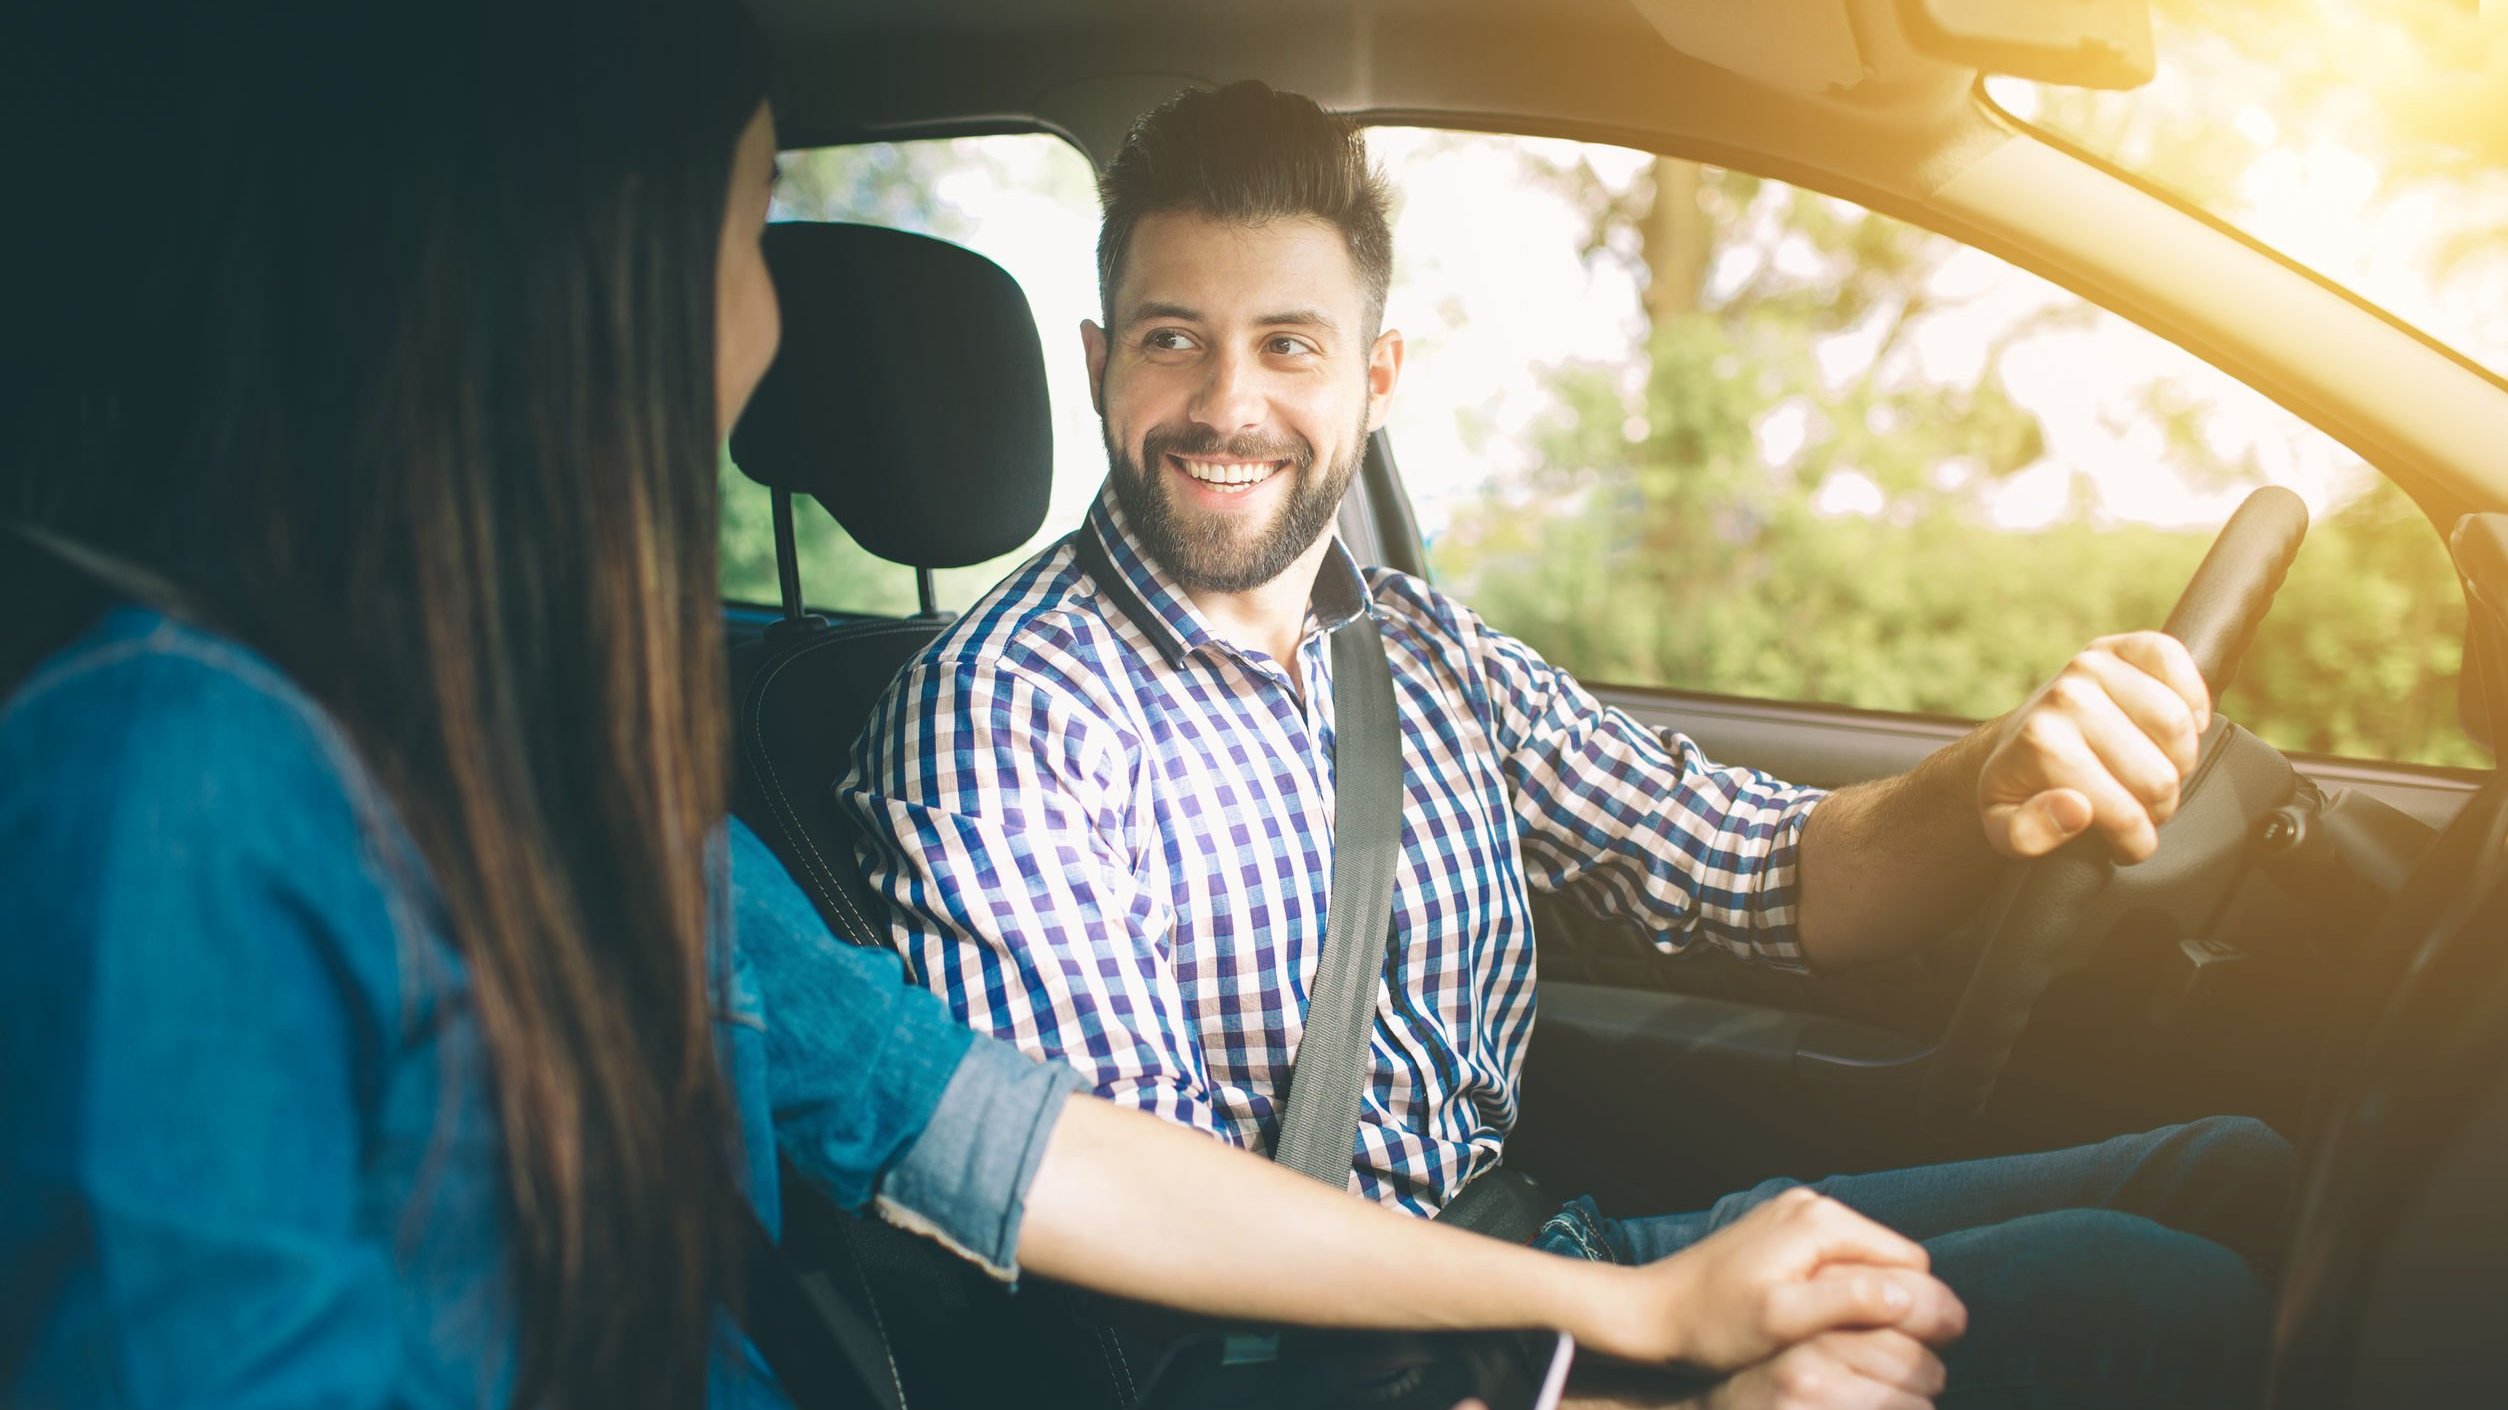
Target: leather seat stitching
(829, 886)
(871, 1300)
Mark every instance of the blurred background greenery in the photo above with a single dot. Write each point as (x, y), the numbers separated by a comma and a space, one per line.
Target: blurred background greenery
(1680, 556)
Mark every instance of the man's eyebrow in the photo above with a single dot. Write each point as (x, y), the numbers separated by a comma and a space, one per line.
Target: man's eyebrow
(1299, 318)
(1149, 312)
(1287, 318)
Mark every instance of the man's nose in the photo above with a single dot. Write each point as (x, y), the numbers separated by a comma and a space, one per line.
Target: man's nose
(1230, 398)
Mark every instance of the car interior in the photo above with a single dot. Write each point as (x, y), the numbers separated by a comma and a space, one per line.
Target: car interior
(2316, 943)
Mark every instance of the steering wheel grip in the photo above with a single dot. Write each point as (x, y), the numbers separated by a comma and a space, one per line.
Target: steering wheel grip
(2038, 916)
(2217, 615)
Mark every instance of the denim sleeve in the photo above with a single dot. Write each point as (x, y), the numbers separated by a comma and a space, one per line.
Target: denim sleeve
(880, 1098)
(195, 974)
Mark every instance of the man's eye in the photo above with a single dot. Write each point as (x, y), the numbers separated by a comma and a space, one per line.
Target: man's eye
(1286, 346)
(1168, 340)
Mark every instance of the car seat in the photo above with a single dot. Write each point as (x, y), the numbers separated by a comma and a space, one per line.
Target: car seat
(909, 401)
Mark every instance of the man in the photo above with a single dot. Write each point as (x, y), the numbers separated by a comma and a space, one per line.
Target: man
(1101, 804)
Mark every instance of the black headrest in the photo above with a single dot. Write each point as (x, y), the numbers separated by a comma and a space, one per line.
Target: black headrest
(909, 396)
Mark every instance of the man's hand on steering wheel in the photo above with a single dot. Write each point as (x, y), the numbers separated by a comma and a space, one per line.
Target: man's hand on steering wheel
(2106, 746)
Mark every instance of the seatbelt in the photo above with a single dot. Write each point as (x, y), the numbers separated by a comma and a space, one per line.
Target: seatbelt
(1320, 1119)
(1319, 1122)
(116, 575)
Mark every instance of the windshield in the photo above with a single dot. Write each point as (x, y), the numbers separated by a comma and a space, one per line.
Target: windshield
(2365, 139)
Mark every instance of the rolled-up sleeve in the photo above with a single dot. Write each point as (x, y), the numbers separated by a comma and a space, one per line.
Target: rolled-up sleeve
(880, 1098)
(1645, 826)
(964, 1180)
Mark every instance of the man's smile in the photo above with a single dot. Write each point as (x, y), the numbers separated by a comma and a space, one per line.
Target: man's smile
(1227, 477)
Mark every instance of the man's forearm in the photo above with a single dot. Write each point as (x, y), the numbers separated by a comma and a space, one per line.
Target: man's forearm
(1888, 864)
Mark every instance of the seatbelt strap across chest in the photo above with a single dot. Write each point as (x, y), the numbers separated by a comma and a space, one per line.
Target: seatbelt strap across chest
(1320, 1118)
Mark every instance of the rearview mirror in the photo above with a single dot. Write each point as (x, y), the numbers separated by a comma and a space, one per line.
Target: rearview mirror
(2081, 43)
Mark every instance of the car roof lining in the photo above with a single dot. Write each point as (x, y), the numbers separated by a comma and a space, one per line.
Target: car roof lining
(1087, 68)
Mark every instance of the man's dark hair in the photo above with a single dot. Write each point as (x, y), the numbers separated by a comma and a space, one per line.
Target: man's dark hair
(1247, 155)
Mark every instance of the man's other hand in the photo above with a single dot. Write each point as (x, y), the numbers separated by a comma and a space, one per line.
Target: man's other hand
(2106, 746)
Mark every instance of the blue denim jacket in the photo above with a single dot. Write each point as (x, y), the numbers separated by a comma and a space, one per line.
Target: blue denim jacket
(247, 1155)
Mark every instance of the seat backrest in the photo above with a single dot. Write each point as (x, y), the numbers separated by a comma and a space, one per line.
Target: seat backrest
(801, 703)
(909, 400)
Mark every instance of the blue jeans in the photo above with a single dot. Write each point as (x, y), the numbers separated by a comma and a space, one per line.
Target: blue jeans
(2127, 1273)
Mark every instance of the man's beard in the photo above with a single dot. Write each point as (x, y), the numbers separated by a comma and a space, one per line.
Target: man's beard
(1213, 553)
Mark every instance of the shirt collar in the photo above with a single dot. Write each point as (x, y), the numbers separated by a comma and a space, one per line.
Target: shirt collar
(1140, 589)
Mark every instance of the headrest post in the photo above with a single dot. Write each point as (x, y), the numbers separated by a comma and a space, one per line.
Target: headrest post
(787, 557)
(923, 589)
(797, 619)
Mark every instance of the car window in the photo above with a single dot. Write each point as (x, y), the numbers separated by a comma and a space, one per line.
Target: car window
(2366, 139)
(1683, 427)
(1028, 202)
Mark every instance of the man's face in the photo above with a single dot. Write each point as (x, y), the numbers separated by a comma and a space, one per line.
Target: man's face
(1237, 383)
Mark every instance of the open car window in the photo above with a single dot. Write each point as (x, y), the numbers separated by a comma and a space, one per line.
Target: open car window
(1683, 427)
(1028, 202)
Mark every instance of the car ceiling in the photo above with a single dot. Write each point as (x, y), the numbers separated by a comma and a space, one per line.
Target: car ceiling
(1826, 86)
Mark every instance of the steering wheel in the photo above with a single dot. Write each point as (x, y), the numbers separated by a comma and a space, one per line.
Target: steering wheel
(2051, 916)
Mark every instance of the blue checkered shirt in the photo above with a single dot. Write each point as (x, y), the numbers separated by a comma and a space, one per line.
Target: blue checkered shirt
(1105, 834)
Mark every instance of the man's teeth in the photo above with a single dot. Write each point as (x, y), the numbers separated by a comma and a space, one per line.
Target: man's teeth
(1214, 472)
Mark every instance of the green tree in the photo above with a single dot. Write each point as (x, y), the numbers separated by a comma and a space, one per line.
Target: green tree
(1658, 542)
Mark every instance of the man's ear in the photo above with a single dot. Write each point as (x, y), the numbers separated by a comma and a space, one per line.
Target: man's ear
(1093, 342)
(1384, 369)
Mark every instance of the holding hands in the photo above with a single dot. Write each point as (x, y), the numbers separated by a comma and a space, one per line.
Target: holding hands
(1812, 1304)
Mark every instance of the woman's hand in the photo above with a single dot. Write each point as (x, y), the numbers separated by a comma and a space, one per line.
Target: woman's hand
(1798, 1266)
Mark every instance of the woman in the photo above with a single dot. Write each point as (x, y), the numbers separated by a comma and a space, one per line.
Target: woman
(361, 1037)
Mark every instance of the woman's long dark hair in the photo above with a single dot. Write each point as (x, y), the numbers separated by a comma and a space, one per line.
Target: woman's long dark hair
(398, 352)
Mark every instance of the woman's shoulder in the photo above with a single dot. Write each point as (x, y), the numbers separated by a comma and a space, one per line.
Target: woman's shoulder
(141, 697)
(158, 779)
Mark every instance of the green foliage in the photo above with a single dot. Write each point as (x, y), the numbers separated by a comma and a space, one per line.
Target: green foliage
(1659, 541)
(1680, 559)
